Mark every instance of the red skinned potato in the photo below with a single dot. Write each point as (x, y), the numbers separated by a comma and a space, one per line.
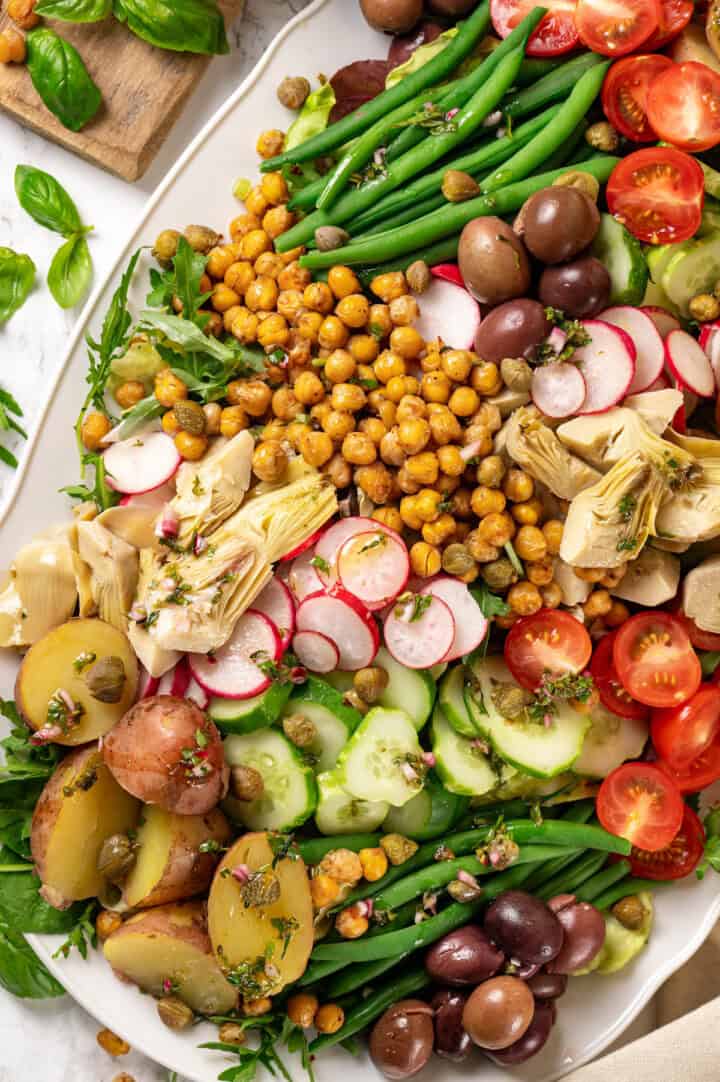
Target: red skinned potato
(165, 751)
(392, 16)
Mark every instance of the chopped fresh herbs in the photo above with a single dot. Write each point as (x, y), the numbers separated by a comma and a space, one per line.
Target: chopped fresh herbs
(83, 660)
(432, 119)
(575, 336)
(320, 564)
(378, 541)
(286, 928)
(627, 544)
(420, 604)
(626, 507)
(83, 935)
(552, 690)
(514, 558)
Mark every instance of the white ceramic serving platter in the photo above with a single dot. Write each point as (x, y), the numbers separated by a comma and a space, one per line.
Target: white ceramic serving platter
(328, 34)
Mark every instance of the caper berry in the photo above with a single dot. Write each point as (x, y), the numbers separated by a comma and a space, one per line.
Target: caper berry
(458, 186)
(116, 857)
(418, 276)
(602, 136)
(190, 416)
(300, 730)
(370, 683)
(630, 912)
(201, 238)
(516, 373)
(106, 679)
(165, 247)
(457, 560)
(576, 178)
(330, 237)
(293, 91)
(499, 574)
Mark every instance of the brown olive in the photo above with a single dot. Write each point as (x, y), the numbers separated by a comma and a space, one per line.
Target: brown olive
(498, 1012)
(525, 928)
(392, 16)
(404, 45)
(401, 1041)
(532, 1040)
(465, 956)
(580, 289)
(559, 223)
(451, 1040)
(513, 329)
(493, 261)
(548, 985)
(452, 7)
(584, 934)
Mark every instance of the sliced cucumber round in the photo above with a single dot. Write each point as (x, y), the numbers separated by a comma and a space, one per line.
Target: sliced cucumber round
(340, 680)
(451, 697)
(374, 763)
(333, 719)
(609, 741)
(522, 787)
(436, 671)
(246, 715)
(290, 792)
(428, 815)
(340, 813)
(461, 765)
(692, 270)
(411, 690)
(624, 260)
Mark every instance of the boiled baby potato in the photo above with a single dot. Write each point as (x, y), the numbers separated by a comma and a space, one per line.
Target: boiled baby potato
(265, 942)
(77, 681)
(169, 863)
(170, 943)
(80, 806)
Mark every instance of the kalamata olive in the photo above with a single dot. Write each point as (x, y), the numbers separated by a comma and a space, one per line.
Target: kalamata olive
(498, 1012)
(465, 956)
(493, 261)
(402, 1039)
(453, 7)
(532, 1040)
(524, 927)
(560, 901)
(584, 934)
(558, 223)
(548, 985)
(392, 16)
(580, 289)
(404, 45)
(451, 1040)
(524, 970)
(513, 329)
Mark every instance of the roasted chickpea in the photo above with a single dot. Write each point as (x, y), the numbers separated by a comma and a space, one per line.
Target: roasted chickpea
(497, 529)
(269, 264)
(353, 310)
(338, 424)
(376, 482)
(330, 1018)
(486, 378)
(244, 223)
(252, 394)
(270, 461)
(552, 596)
(348, 397)
(385, 409)
(528, 513)
(464, 401)
(316, 448)
(318, 298)
(598, 604)
(524, 598)
(423, 468)
(22, 13)
(274, 188)
(391, 450)
(380, 324)
(541, 572)
(223, 298)
(339, 471)
(590, 574)
(461, 503)
(358, 449)
(435, 387)
(414, 435)
(270, 143)
(128, 394)
(308, 389)
(481, 549)
(389, 516)
(427, 505)
(244, 325)
(374, 427)
(364, 348)
(190, 446)
(343, 281)
(239, 276)
(308, 325)
(486, 501)
(212, 413)
(285, 405)
(444, 426)
(254, 244)
(404, 310)
(518, 486)
(289, 303)
(218, 261)
(302, 1008)
(425, 559)
(170, 423)
(407, 342)
(339, 366)
(273, 332)
(389, 365)
(440, 531)
(293, 276)
(261, 295)
(456, 364)
(333, 333)
(491, 471)
(169, 388)
(406, 483)
(408, 513)
(93, 430)
(489, 416)
(388, 287)
(451, 460)
(277, 221)
(530, 543)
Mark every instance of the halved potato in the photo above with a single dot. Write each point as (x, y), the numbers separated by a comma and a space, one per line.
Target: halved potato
(270, 943)
(170, 943)
(80, 806)
(170, 865)
(62, 661)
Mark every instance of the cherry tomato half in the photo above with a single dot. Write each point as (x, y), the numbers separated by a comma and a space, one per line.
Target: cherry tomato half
(676, 860)
(683, 106)
(616, 27)
(682, 733)
(701, 772)
(674, 17)
(701, 639)
(655, 660)
(549, 641)
(639, 801)
(658, 194)
(624, 95)
(556, 33)
(612, 694)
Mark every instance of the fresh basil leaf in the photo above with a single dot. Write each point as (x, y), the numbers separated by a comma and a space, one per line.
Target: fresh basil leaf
(70, 272)
(75, 11)
(21, 971)
(17, 275)
(45, 200)
(61, 78)
(186, 26)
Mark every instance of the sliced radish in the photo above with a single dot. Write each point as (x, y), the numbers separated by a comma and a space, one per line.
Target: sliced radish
(154, 500)
(664, 321)
(147, 685)
(687, 361)
(181, 678)
(710, 342)
(661, 383)
(303, 578)
(232, 671)
(276, 602)
(650, 352)
(470, 624)
(316, 651)
(304, 545)
(607, 365)
(448, 272)
(341, 617)
(558, 390)
(165, 686)
(374, 567)
(417, 634)
(328, 547)
(447, 311)
(141, 464)
(197, 694)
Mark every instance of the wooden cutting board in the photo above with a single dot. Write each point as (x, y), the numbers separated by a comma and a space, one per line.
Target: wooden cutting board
(144, 91)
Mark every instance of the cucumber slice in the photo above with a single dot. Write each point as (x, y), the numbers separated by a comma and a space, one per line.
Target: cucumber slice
(522, 787)
(411, 690)
(339, 813)
(655, 296)
(623, 944)
(333, 719)
(609, 741)
(461, 765)
(623, 257)
(428, 815)
(246, 715)
(542, 752)
(451, 697)
(436, 671)
(290, 792)
(692, 271)
(340, 680)
(373, 764)
(660, 255)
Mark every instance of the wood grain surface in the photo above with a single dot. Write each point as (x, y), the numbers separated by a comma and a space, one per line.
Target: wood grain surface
(144, 91)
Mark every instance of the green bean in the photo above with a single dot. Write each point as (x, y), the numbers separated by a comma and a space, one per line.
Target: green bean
(533, 69)
(357, 975)
(564, 153)
(554, 135)
(318, 971)
(566, 881)
(555, 86)
(547, 871)
(580, 811)
(623, 889)
(443, 251)
(314, 849)
(336, 135)
(372, 1007)
(583, 154)
(604, 879)
(401, 217)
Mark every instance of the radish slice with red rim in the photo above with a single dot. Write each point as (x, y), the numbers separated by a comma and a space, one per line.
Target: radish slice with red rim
(148, 685)
(197, 694)
(154, 500)
(304, 545)
(448, 272)
(664, 321)
(233, 672)
(181, 679)
(340, 616)
(710, 342)
(558, 390)
(303, 578)
(471, 626)
(374, 567)
(276, 602)
(687, 361)
(447, 311)
(141, 463)
(165, 684)
(328, 547)
(316, 651)
(607, 365)
(419, 630)
(649, 348)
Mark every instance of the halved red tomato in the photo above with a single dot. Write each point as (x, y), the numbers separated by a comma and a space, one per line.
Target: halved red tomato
(655, 660)
(556, 32)
(624, 94)
(549, 641)
(638, 801)
(612, 694)
(658, 194)
(674, 17)
(701, 772)
(701, 640)
(683, 106)
(616, 27)
(676, 860)
(681, 733)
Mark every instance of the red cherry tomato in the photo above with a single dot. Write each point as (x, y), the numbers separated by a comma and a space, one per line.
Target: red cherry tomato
(616, 27)
(550, 642)
(701, 772)
(655, 660)
(624, 95)
(556, 32)
(682, 733)
(683, 106)
(701, 640)
(676, 860)
(658, 194)
(612, 694)
(674, 17)
(638, 801)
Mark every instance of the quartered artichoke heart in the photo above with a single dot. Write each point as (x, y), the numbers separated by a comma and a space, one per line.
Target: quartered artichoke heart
(693, 513)
(210, 491)
(113, 571)
(41, 590)
(701, 594)
(535, 447)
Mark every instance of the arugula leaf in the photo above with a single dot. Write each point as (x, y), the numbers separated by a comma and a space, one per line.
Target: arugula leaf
(189, 267)
(186, 334)
(45, 200)
(490, 604)
(83, 935)
(75, 11)
(138, 415)
(17, 275)
(71, 271)
(193, 26)
(117, 322)
(21, 971)
(61, 78)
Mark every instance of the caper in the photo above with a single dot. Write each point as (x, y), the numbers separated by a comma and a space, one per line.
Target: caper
(352, 698)
(116, 857)
(370, 683)
(584, 182)
(174, 1013)
(330, 237)
(190, 416)
(499, 574)
(458, 186)
(106, 679)
(165, 247)
(246, 783)
(201, 238)
(630, 912)
(300, 730)
(397, 848)
(509, 700)
(293, 91)
(232, 1033)
(602, 136)
(464, 892)
(418, 276)
(516, 373)
(456, 560)
(704, 307)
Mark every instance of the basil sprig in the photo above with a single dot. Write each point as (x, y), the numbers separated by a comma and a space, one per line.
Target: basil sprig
(61, 78)
(70, 272)
(17, 274)
(75, 11)
(192, 26)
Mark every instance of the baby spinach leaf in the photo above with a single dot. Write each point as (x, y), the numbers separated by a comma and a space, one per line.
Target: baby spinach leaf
(75, 11)
(192, 26)
(61, 78)
(23, 908)
(21, 971)
(15, 830)
(70, 272)
(17, 274)
(45, 200)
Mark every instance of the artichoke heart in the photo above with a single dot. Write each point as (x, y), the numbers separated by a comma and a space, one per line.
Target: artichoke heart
(693, 512)
(603, 439)
(699, 446)
(210, 491)
(41, 590)
(289, 515)
(114, 571)
(535, 447)
(701, 594)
